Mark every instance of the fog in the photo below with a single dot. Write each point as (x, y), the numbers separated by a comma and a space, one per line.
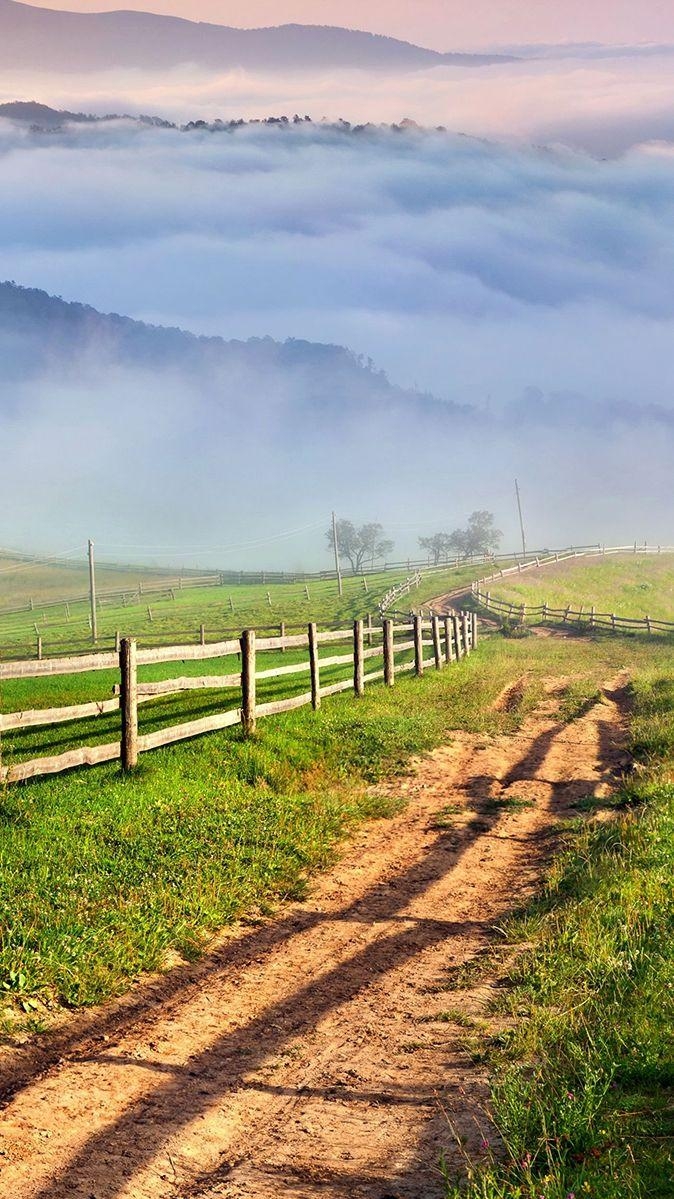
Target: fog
(588, 97)
(468, 269)
(534, 284)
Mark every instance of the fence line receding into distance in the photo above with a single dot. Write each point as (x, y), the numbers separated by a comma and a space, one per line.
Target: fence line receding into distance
(585, 617)
(448, 642)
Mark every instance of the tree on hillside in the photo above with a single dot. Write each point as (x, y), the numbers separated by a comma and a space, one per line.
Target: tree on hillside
(366, 544)
(437, 547)
(479, 537)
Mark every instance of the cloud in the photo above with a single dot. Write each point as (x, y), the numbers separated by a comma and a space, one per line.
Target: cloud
(468, 268)
(472, 269)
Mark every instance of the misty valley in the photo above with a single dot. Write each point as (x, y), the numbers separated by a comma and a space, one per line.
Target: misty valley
(336, 599)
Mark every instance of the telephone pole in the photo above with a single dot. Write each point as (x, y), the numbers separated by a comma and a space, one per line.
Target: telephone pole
(92, 593)
(337, 565)
(519, 509)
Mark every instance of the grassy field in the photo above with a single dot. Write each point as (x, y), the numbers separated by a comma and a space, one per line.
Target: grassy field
(41, 581)
(221, 609)
(628, 585)
(103, 877)
(81, 912)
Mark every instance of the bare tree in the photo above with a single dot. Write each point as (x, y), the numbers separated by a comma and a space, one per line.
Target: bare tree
(360, 545)
(437, 547)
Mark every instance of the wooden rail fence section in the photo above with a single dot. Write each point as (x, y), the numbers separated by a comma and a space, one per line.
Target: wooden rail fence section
(449, 638)
(585, 617)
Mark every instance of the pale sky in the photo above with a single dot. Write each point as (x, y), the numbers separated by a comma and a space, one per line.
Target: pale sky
(443, 24)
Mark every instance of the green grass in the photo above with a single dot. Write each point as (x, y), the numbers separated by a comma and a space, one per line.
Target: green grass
(223, 610)
(102, 875)
(583, 1090)
(629, 585)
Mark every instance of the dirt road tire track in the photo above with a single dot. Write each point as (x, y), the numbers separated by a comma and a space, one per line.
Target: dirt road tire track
(306, 1057)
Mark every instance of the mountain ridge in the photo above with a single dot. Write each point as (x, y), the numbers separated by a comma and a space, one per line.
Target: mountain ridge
(53, 39)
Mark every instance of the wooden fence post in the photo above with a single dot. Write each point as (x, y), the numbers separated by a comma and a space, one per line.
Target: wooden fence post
(466, 633)
(418, 646)
(456, 621)
(118, 641)
(592, 613)
(202, 634)
(248, 656)
(648, 625)
(389, 659)
(613, 621)
(474, 629)
(437, 650)
(315, 670)
(358, 661)
(448, 639)
(128, 703)
(39, 649)
(369, 628)
(282, 633)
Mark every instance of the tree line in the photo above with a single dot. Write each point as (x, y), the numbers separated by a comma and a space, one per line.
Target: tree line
(367, 544)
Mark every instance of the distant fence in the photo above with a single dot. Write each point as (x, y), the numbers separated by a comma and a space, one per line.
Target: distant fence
(168, 584)
(450, 641)
(586, 617)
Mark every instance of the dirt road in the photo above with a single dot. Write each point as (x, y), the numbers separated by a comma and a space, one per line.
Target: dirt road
(319, 1053)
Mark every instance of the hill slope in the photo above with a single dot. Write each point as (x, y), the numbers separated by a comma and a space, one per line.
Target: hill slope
(32, 37)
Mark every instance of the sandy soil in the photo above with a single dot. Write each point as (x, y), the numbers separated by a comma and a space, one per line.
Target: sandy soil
(305, 1056)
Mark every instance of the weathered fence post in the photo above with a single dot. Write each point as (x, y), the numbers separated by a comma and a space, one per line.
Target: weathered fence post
(474, 629)
(282, 633)
(369, 629)
(118, 641)
(437, 650)
(592, 615)
(202, 634)
(128, 703)
(448, 639)
(456, 621)
(648, 625)
(389, 659)
(39, 649)
(466, 633)
(315, 669)
(248, 656)
(418, 646)
(358, 661)
(613, 621)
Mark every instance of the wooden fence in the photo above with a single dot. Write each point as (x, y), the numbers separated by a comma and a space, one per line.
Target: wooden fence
(166, 585)
(586, 617)
(448, 641)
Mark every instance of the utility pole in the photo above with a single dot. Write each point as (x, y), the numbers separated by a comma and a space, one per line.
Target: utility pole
(519, 509)
(337, 565)
(92, 593)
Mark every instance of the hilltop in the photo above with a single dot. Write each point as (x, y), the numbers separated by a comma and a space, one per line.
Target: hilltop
(32, 37)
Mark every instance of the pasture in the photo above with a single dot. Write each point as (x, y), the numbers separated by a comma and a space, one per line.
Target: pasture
(105, 877)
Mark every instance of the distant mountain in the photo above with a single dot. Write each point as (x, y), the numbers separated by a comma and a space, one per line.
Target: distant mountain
(37, 38)
(43, 337)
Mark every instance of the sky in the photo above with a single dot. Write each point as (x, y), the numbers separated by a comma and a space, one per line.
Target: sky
(441, 24)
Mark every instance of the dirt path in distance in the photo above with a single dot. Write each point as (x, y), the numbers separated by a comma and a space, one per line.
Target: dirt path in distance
(317, 1054)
